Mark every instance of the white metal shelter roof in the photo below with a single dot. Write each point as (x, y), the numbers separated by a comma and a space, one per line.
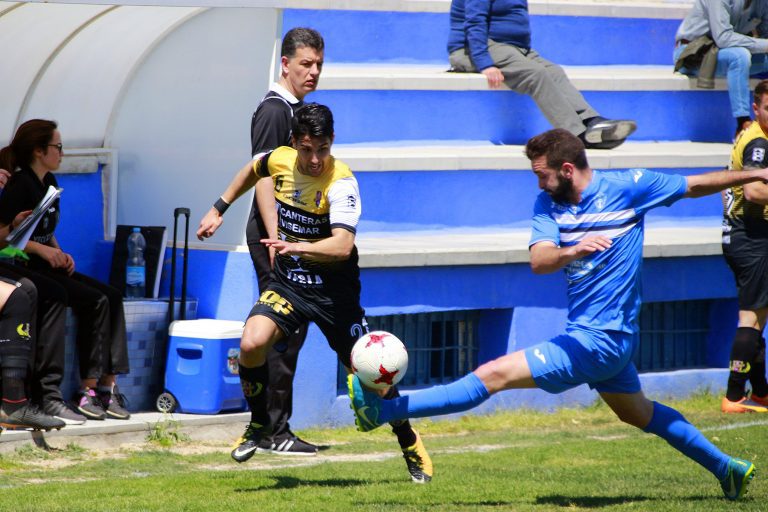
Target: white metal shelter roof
(71, 62)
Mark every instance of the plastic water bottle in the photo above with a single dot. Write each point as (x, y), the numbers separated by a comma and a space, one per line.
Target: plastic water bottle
(136, 268)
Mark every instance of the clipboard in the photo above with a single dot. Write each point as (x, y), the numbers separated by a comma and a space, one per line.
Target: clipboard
(19, 237)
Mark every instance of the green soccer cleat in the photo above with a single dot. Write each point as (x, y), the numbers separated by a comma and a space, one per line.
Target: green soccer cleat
(740, 473)
(366, 405)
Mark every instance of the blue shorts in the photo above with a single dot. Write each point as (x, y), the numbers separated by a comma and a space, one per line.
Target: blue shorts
(601, 359)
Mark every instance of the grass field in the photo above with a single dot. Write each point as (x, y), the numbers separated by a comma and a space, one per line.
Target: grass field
(574, 459)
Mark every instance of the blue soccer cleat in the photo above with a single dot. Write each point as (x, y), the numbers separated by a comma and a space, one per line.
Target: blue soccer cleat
(366, 405)
(740, 473)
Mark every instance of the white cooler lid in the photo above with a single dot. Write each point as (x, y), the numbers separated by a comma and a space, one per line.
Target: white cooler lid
(207, 328)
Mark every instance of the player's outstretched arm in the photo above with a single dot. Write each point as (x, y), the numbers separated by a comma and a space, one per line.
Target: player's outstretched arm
(700, 185)
(265, 198)
(337, 247)
(546, 257)
(243, 180)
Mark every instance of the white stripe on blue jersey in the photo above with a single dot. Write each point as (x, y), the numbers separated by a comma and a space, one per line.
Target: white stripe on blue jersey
(604, 287)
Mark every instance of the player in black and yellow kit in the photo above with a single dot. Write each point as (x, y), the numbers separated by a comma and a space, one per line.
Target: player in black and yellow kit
(316, 276)
(745, 246)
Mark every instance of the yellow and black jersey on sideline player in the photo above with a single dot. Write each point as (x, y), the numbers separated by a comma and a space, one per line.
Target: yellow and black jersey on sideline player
(750, 150)
(308, 208)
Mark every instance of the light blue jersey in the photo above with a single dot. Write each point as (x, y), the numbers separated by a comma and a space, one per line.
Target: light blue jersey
(604, 287)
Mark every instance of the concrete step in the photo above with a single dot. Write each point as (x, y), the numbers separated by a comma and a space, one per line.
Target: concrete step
(433, 77)
(95, 435)
(432, 155)
(499, 246)
(412, 102)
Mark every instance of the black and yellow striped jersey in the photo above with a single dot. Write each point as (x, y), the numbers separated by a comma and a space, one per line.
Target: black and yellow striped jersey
(308, 208)
(750, 150)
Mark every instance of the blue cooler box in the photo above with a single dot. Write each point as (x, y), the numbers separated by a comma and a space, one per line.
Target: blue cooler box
(202, 370)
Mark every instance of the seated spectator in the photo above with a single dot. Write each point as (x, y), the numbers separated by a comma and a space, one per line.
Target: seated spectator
(17, 309)
(494, 38)
(33, 155)
(735, 29)
(47, 359)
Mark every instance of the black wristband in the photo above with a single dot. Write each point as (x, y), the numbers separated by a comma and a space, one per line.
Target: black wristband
(221, 206)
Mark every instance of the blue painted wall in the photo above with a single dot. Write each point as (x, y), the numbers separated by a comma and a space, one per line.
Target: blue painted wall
(479, 198)
(422, 37)
(505, 117)
(81, 224)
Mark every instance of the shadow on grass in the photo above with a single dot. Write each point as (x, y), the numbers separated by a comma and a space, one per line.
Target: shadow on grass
(587, 501)
(505, 505)
(289, 482)
(599, 501)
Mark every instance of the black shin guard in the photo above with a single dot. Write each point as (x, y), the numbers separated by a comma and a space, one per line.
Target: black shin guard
(254, 383)
(746, 345)
(15, 347)
(406, 436)
(757, 373)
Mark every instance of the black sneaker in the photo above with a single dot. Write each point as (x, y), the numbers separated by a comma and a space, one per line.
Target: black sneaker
(29, 417)
(248, 443)
(288, 445)
(114, 404)
(605, 133)
(89, 405)
(62, 411)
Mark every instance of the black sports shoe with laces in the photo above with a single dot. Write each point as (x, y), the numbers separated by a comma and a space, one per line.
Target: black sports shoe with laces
(248, 443)
(29, 417)
(89, 405)
(64, 412)
(289, 444)
(114, 404)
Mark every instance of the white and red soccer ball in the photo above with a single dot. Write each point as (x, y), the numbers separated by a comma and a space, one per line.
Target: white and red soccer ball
(379, 359)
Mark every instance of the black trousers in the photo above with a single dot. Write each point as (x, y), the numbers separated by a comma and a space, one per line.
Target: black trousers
(284, 356)
(48, 329)
(101, 339)
(102, 344)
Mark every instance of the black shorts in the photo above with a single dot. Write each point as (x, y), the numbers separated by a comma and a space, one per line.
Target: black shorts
(747, 256)
(341, 319)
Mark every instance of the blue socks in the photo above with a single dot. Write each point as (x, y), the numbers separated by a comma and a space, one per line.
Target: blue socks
(464, 394)
(671, 426)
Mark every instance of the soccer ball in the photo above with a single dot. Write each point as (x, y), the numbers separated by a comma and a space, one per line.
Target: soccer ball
(379, 359)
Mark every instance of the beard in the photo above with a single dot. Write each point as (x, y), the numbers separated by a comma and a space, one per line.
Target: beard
(563, 192)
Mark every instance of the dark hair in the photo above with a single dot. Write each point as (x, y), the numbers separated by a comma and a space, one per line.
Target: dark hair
(300, 37)
(312, 119)
(31, 135)
(559, 146)
(760, 89)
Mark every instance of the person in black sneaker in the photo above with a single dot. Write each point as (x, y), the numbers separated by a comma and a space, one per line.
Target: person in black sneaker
(301, 62)
(17, 303)
(33, 155)
(311, 206)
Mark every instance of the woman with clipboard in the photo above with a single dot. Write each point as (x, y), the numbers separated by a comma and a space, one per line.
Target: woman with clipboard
(33, 155)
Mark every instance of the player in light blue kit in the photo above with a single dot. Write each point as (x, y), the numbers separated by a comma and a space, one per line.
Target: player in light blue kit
(590, 224)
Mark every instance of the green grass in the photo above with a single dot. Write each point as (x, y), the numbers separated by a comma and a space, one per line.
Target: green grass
(574, 459)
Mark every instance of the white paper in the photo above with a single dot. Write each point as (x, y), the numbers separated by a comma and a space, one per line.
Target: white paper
(21, 234)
